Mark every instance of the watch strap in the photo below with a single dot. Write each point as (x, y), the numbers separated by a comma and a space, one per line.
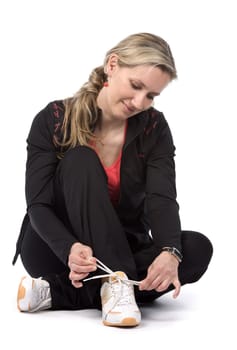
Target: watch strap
(174, 251)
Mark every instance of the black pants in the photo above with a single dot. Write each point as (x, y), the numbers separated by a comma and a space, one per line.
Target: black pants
(83, 204)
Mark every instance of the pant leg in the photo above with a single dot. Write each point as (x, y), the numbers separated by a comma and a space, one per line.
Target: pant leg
(82, 199)
(37, 257)
(197, 253)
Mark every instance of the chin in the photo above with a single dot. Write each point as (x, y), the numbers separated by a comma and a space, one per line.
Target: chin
(120, 114)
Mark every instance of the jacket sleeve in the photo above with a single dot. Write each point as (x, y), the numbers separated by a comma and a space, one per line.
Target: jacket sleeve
(162, 207)
(41, 166)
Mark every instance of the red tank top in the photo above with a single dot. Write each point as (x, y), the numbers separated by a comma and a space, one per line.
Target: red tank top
(113, 175)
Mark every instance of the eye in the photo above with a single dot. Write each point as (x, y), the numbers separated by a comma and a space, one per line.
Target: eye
(135, 86)
(150, 97)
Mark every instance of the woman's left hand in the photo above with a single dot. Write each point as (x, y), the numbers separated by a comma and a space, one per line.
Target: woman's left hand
(161, 273)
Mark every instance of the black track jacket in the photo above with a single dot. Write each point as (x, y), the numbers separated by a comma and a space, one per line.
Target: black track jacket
(147, 201)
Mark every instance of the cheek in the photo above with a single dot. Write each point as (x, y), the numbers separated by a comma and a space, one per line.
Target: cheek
(149, 104)
(116, 94)
(120, 90)
(112, 95)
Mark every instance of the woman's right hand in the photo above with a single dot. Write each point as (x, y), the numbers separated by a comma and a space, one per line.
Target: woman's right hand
(81, 262)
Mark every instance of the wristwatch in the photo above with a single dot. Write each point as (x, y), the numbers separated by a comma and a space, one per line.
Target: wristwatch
(174, 251)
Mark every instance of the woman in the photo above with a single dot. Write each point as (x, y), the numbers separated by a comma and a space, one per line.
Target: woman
(101, 194)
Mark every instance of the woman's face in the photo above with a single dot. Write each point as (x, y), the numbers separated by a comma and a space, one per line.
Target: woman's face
(131, 90)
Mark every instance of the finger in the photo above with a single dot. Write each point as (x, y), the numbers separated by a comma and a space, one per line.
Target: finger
(84, 262)
(78, 260)
(86, 253)
(93, 260)
(77, 284)
(150, 283)
(177, 287)
(73, 276)
(163, 286)
(145, 284)
(83, 254)
(82, 268)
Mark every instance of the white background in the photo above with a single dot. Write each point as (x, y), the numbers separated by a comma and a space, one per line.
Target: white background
(48, 49)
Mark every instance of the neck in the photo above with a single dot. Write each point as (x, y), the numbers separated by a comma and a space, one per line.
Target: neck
(107, 124)
(107, 121)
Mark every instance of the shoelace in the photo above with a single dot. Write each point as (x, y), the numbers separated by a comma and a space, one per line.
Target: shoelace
(110, 273)
(122, 295)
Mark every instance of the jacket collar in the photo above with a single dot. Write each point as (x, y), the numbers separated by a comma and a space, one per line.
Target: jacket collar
(136, 125)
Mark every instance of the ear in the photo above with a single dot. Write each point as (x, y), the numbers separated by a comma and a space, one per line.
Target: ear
(111, 65)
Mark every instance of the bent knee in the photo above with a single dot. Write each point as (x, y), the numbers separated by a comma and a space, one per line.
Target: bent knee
(80, 153)
(197, 244)
(79, 158)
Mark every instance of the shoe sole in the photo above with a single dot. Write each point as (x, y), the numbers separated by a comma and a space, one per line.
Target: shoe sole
(21, 295)
(126, 322)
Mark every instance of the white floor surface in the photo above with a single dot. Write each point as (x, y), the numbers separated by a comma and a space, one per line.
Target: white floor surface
(201, 318)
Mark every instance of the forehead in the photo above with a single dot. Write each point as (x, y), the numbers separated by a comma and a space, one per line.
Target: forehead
(152, 77)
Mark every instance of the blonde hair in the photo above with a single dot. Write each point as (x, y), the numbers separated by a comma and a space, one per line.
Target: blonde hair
(81, 111)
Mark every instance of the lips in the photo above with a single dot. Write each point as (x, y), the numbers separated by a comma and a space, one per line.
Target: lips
(130, 109)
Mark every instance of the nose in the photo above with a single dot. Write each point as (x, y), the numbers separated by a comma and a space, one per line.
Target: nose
(140, 102)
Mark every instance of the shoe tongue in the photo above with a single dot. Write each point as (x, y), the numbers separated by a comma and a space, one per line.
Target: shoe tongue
(120, 274)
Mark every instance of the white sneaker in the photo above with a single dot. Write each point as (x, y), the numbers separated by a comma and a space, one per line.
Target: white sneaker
(119, 306)
(33, 295)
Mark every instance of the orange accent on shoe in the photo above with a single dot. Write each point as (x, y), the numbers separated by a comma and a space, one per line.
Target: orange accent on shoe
(21, 293)
(126, 322)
